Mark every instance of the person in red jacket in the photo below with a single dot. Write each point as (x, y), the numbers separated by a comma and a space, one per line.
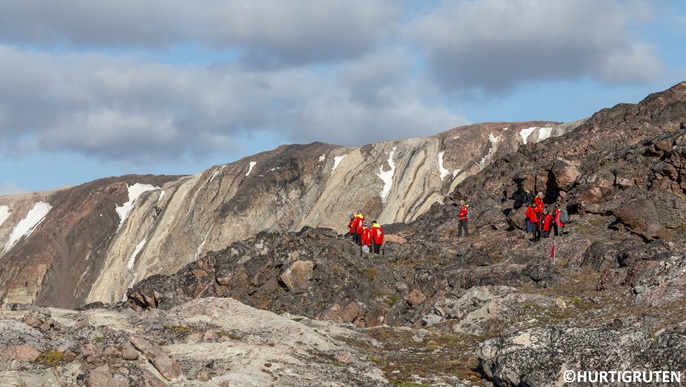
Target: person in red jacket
(464, 219)
(546, 223)
(377, 237)
(557, 220)
(366, 237)
(532, 217)
(359, 220)
(351, 228)
(538, 200)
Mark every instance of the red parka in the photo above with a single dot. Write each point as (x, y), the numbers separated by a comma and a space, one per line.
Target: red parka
(464, 212)
(357, 226)
(539, 205)
(377, 234)
(531, 214)
(366, 236)
(547, 222)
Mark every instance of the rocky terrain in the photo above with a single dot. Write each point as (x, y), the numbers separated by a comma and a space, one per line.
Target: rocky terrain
(208, 342)
(492, 308)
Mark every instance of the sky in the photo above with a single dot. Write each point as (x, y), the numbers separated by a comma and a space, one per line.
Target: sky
(98, 88)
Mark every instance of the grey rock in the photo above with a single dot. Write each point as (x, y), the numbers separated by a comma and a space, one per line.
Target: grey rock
(539, 357)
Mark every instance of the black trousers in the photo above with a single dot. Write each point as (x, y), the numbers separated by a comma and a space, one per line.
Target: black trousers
(376, 248)
(463, 225)
(536, 231)
(357, 238)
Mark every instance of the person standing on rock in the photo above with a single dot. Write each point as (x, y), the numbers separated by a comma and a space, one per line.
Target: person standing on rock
(533, 218)
(366, 237)
(357, 235)
(377, 237)
(546, 223)
(351, 229)
(557, 220)
(464, 219)
(538, 200)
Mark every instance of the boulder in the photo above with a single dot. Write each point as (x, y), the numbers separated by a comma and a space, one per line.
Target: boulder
(297, 276)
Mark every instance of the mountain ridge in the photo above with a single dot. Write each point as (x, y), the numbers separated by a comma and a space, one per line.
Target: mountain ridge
(84, 251)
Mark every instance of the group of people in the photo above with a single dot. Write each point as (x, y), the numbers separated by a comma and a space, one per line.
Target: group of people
(369, 238)
(540, 222)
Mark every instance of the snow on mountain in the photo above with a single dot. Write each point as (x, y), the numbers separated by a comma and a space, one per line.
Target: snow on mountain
(387, 176)
(135, 191)
(26, 226)
(4, 214)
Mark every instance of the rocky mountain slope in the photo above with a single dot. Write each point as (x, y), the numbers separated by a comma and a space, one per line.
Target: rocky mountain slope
(492, 308)
(89, 243)
(617, 279)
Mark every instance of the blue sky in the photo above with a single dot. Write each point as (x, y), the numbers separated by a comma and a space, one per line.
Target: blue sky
(97, 88)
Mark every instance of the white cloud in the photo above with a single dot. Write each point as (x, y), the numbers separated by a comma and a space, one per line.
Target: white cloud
(294, 31)
(9, 187)
(495, 45)
(140, 112)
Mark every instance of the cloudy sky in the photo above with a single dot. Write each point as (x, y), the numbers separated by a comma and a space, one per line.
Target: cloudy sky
(98, 88)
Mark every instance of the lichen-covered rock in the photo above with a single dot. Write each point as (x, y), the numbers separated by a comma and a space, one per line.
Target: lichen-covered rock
(541, 356)
(161, 348)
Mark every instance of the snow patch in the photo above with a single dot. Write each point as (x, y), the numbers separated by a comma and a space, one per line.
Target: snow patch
(505, 129)
(132, 260)
(4, 214)
(444, 172)
(252, 165)
(337, 160)
(198, 251)
(135, 191)
(216, 172)
(494, 147)
(387, 177)
(322, 158)
(26, 226)
(525, 133)
(544, 133)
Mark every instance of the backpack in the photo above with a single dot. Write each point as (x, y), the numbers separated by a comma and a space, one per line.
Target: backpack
(564, 216)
